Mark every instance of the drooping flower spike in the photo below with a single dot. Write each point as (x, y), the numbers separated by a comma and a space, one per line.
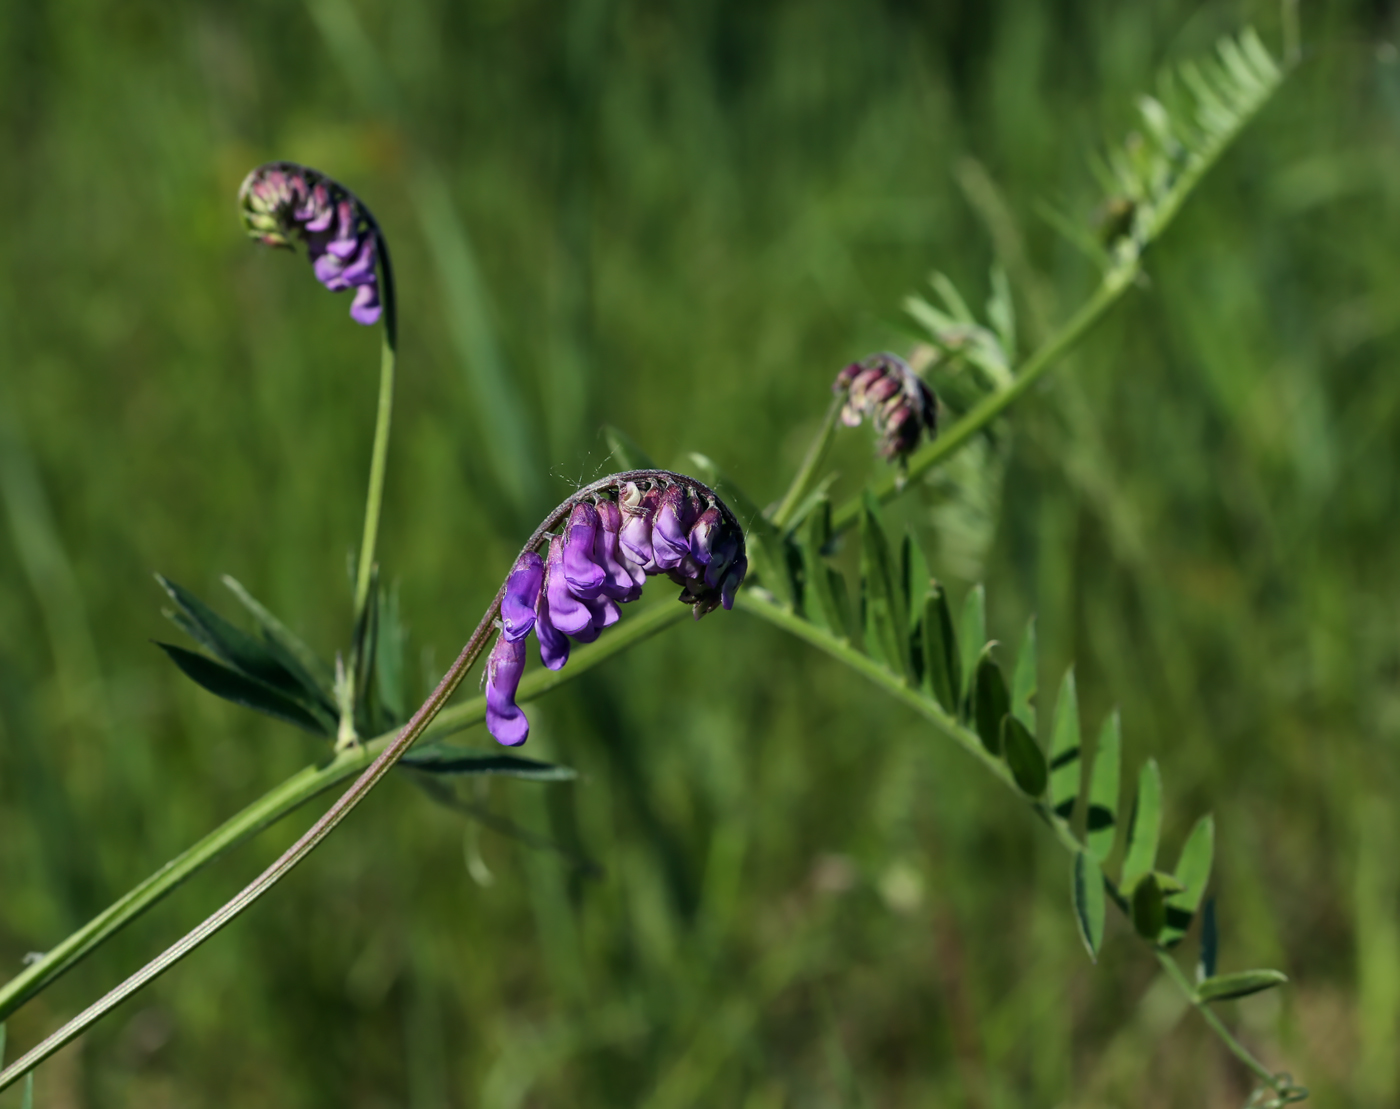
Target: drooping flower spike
(615, 534)
(283, 201)
(897, 401)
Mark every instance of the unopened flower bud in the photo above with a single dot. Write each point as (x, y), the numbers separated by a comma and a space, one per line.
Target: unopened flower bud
(893, 397)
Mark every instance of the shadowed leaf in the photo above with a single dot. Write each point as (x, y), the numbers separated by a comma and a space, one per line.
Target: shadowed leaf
(1148, 907)
(990, 701)
(882, 601)
(317, 671)
(451, 759)
(242, 690)
(942, 665)
(1024, 757)
(1210, 943)
(1024, 680)
(820, 603)
(917, 583)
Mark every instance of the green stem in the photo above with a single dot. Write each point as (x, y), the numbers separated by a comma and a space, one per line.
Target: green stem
(816, 454)
(295, 792)
(1113, 285)
(1238, 1049)
(379, 455)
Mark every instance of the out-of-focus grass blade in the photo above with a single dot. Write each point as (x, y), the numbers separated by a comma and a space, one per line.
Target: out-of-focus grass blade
(1065, 761)
(1086, 891)
(882, 600)
(452, 759)
(942, 666)
(241, 690)
(1024, 757)
(1193, 872)
(990, 700)
(625, 451)
(1148, 907)
(314, 666)
(972, 634)
(1102, 819)
(1210, 943)
(1023, 680)
(1145, 827)
(820, 602)
(1240, 984)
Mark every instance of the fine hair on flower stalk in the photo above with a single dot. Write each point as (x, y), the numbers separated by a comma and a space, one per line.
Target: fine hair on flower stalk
(615, 533)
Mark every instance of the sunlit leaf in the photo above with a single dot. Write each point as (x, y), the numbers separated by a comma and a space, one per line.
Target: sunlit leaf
(1086, 891)
(1193, 872)
(1065, 761)
(1024, 680)
(1240, 984)
(1024, 757)
(990, 700)
(1101, 825)
(232, 686)
(1145, 827)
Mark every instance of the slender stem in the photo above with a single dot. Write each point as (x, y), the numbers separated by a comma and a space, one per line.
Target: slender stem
(374, 498)
(347, 801)
(816, 454)
(1238, 1049)
(1113, 285)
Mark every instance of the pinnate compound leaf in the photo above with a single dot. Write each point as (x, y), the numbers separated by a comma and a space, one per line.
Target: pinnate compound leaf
(263, 660)
(1086, 891)
(316, 671)
(1148, 907)
(1024, 757)
(1145, 827)
(882, 600)
(625, 451)
(990, 700)
(242, 690)
(1024, 680)
(972, 633)
(942, 664)
(1101, 825)
(451, 759)
(1226, 987)
(1192, 872)
(1065, 762)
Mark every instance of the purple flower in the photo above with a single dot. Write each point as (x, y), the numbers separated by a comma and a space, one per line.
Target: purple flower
(283, 201)
(503, 669)
(886, 390)
(605, 553)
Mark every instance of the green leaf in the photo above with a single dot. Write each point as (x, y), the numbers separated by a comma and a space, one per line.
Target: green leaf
(1210, 943)
(232, 686)
(883, 615)
(1148, 907)
(1145, 827)
(262, 660)
(314, 668)
(990, 701)
(1086, 890)
(917, 584)
(972, 634)
(1024, 679)
(1192, 872)
(1240, 984)
(819, 600)
(449, 758)
(1101, 826)
(942, 666)
(1024, 757)
(1065, 761)
(625, 451)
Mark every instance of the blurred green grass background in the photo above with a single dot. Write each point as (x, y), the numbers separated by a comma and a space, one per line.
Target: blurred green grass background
(682, 219)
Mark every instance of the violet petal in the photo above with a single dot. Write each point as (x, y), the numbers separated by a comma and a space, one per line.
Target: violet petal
(504, 719)
(522, 595)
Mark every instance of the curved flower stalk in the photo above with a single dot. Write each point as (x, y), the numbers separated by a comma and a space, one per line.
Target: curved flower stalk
(885, 390)
(680, 518)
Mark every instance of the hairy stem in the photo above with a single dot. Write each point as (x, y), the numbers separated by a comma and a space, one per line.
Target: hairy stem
(347, 801)
(816, 455)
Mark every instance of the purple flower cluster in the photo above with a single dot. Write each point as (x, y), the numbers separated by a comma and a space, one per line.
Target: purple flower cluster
(605, 552)
(282, 199)
(895, 398)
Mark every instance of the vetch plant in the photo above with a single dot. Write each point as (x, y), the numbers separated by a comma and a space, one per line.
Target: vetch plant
(593, 553)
